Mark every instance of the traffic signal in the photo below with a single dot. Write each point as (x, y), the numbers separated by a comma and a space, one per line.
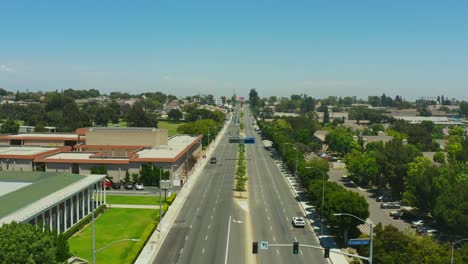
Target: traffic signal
(326, 254)
(255, 247)
(296, 248)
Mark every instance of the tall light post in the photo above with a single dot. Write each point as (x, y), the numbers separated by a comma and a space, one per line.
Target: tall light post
(453, 245)
(371, 232)
(92, 224)
(160, 196)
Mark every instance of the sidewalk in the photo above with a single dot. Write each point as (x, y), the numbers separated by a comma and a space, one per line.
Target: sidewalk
(151, 249)
(324, 239)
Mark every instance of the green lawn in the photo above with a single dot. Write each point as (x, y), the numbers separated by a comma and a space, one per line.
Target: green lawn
(115, 224)
(146, 200)
(171, 126)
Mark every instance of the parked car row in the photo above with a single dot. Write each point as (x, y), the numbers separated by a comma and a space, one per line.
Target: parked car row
(127, 186)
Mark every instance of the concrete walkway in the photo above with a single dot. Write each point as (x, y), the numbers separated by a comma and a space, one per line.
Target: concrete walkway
(136, 206)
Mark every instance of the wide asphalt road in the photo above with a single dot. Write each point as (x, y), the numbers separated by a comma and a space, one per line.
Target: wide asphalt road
(209, 228)
(272, 205)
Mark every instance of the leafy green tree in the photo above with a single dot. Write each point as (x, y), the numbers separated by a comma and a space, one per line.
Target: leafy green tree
(393, 163)
(175, 114)
(418, 184)
(314, 169)
(149, 174)
(362, 167)
(451, 208)
(10, 126)
(464, 108)
(254, 99)
(24, 243)
(439, 157)
(341, 140)
(138, 117)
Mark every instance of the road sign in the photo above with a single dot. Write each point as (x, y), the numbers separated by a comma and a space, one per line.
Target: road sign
(264, 245)
(165, 184)
(249, 140)
(358, 242)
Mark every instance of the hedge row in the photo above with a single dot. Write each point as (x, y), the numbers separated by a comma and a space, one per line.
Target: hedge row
(171, 198)
(241, 169)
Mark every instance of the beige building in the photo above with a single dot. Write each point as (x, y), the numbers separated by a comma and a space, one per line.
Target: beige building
(117, 149)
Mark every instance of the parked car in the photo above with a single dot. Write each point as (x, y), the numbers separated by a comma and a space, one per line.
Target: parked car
(396, 214)
(116, 185)
(390, 206)
(107, 184)
(213, 160)
(139, 186)
(129, 186)
(417, 223)
(298, 221)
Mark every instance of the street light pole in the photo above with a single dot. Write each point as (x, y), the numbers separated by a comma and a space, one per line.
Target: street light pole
(371, 233)
(453, 245)
(92, 221)
(160, 196)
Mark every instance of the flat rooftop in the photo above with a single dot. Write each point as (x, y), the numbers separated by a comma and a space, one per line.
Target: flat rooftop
(40, 185)
(41, 135)
(78, 156)
(24, 151)
(174, 147)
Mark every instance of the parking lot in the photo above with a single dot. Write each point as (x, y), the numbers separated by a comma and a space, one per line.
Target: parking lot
(377, 214)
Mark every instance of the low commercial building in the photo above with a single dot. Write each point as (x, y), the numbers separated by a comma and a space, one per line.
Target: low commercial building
(41, 139)
(54, 200)
(118, 150)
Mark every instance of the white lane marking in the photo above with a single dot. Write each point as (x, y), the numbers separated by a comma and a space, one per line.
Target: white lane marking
(268, 218)
(227, 242)
(295, 239)
(277, 252)
(203, 251)
(274, 238)
(181, 250)
(198, 208)
(209, 226)
(206, 237)
(211, 217)
(301, 252)
(190, 226)
(186, 237)
(271, 227)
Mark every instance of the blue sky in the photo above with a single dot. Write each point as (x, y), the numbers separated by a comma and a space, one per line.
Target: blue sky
(320, 48)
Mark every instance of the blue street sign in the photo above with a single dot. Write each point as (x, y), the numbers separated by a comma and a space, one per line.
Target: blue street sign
(249, 140)
(358, 242)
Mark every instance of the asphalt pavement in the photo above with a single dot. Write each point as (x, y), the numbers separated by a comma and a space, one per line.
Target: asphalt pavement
(272, 206)
(376, 214)
(210, 226)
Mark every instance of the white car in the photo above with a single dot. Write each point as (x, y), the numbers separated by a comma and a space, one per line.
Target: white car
(139, 186)
(417, 223)
(298, 221)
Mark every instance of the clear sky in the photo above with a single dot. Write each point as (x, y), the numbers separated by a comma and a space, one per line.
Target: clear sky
(316, 47)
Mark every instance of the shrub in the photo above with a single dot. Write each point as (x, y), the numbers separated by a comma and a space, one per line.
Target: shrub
(171, 198)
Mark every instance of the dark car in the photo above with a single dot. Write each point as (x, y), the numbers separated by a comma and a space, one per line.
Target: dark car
(213, 160)
(129, 186)
(116, 185)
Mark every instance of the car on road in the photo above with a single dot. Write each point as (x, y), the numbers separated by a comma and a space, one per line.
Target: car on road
(139, 186)
(213, 160)
(298, 221)
(417, 223)
(390, 205)
(129, 186)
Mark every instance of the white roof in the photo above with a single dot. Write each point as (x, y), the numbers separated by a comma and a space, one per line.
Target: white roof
(23, 150)
(175, 145)
(51, 200)
(45, 135)
(76, 155)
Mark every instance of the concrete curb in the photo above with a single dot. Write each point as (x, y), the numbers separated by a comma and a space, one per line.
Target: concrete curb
(151, 248)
